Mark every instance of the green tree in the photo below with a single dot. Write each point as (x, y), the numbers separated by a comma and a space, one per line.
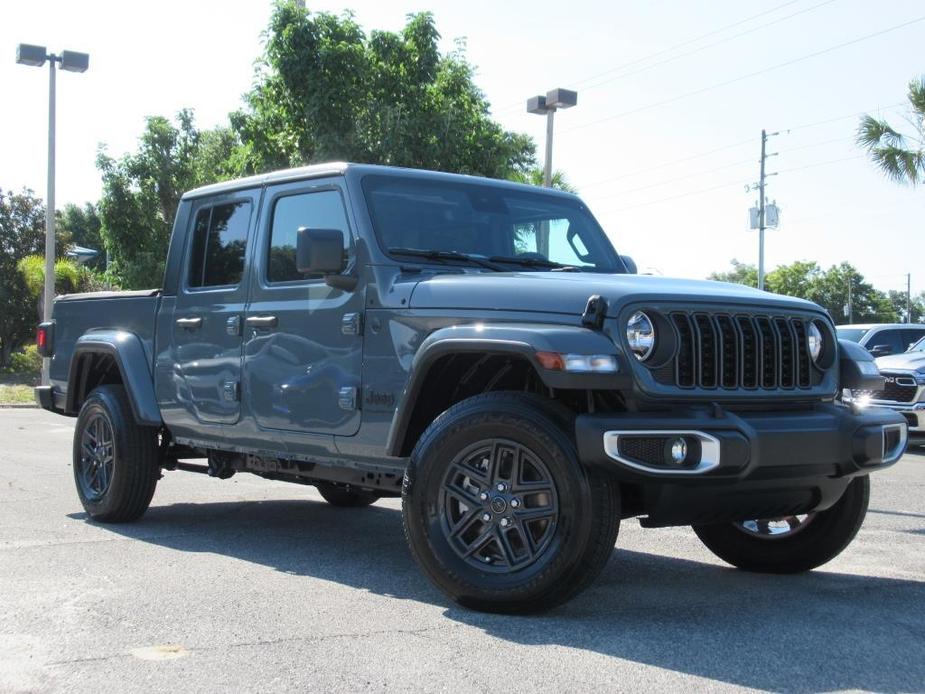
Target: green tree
(828, 288)
(325, 90)
(899, 304)
(900, 157)
(80, 226)
(141, 192)
(22, 232)
(741, 273)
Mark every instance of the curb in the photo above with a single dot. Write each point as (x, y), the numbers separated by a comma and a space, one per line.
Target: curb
(18, 406)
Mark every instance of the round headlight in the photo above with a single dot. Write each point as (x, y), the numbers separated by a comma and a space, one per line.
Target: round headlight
(814, 341)
(640, 333)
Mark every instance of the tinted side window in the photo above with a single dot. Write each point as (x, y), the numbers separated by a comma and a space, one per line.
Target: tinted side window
(319, 210)
(219, 241)
(890, 340)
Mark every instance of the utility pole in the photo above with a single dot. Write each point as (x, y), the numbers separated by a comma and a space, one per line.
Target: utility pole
(850, 307)
(759, 214)
(908, 297)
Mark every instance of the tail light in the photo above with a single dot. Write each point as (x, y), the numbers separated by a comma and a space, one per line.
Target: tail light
(45, 338)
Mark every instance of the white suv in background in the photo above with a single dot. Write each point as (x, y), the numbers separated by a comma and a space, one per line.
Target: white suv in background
(882, 339)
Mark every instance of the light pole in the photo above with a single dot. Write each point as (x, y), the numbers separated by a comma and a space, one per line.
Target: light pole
(71, 61)
(548, 105)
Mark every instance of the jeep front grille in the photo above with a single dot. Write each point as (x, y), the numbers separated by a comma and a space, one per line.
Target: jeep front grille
(730, 352)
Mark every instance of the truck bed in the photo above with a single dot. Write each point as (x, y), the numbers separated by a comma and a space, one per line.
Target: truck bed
(79, 314)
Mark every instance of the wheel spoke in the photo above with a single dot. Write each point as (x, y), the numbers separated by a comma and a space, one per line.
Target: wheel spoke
(465, 522)
(527, 537)
(526, 515)
(103, 477)
(479, 542)
(504, 545)
(467, 496)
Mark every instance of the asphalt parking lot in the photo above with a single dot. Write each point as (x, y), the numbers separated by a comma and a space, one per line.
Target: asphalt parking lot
(249, 585)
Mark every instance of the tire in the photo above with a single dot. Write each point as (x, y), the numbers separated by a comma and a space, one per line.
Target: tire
(344, 496)
(126, 459)
(811, 544)
(492, 567)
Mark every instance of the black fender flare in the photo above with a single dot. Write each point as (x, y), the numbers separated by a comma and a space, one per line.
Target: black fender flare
(128, 353)
(521, 339)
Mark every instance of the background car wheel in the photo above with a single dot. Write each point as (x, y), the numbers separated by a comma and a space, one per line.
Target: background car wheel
(116, 462)
(792, 544)
(345, 496)
(498, 511)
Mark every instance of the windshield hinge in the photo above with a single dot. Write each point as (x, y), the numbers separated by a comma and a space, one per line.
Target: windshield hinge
(595, 311)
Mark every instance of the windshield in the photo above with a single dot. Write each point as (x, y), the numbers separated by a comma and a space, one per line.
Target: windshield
(522, 230)
(853, 334)
(918, 346)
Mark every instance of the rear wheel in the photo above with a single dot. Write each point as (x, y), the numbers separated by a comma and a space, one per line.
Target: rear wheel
(345, 496)
(116, 462)
(791, 544)
(499, 512)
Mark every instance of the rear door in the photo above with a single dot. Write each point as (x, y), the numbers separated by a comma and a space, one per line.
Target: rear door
(206, 342)
(303, 342)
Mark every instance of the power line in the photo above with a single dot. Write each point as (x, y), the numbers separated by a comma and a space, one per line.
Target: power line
(684, 43)
(679, 178)
(732, 145)
(820, 163)
(749, 75)
(737, 182)
(708, 46)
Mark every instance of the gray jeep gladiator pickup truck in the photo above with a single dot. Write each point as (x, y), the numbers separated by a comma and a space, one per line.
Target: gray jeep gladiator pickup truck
(480, 349)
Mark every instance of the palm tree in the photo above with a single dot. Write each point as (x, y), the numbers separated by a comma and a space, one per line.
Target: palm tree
(901, 157)
(534, 177)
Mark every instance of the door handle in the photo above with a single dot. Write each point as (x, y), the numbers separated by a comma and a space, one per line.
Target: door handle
(189, 323)
(261, 321)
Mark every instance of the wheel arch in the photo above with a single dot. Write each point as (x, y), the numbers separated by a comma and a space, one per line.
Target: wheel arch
(112, 357)
(463, 350)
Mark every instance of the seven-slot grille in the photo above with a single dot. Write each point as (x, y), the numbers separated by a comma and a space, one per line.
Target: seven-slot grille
(730, 352)
(896, 388)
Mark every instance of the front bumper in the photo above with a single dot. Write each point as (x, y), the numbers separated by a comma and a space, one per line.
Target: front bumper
(762, 465)
(913, 412)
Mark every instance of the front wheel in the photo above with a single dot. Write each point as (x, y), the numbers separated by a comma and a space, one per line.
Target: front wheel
(499, 512)
(791, 544)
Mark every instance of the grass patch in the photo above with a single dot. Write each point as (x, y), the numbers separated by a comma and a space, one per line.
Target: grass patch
(16, 394)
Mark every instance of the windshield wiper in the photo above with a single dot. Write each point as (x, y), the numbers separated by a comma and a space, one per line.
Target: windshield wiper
(535, 262)
(447, 255)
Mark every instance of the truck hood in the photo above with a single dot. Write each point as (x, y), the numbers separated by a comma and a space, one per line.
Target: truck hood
(907, 361)
(568, 292)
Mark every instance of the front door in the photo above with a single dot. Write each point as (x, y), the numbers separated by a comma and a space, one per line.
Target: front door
(303, 342)
(206, 340)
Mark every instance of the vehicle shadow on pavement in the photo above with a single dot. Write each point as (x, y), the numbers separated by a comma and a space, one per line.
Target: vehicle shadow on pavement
(817, 631)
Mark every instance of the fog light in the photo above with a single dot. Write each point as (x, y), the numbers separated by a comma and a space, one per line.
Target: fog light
(678, 451)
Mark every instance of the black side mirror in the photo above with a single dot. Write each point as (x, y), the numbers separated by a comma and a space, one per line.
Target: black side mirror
(320, 251)
(881, 350)
(630, 264)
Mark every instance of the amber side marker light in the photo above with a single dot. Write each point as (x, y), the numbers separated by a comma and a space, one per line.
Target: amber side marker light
(578, 363)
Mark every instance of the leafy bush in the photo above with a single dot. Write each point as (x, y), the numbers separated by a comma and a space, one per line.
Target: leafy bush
(27, 362)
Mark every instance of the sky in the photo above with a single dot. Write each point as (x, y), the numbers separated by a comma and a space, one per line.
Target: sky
(663, 144)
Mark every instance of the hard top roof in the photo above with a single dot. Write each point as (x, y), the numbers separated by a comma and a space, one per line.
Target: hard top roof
(340, 168)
